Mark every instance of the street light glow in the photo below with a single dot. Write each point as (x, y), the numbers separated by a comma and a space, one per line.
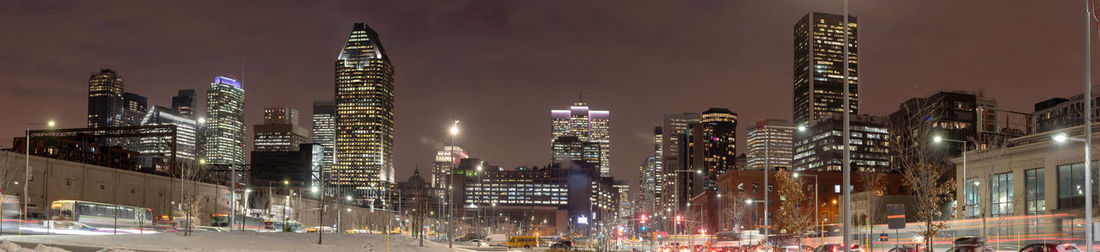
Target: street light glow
(748, 201)
(937, 139)
(50, 123)
(1060, 137)
(801, 128)
(454, 128)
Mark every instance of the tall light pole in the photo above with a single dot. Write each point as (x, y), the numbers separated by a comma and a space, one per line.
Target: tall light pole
(847, 208)
(1088, 126)
(450, 175)
(962, 181)
(27, 174)
(1061, 138)
(768, 166)
(817, 206)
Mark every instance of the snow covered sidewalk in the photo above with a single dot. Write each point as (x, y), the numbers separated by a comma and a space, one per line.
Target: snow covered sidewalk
(237, 241)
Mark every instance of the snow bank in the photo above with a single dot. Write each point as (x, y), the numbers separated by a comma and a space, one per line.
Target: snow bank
(234, 241)
(8, 246)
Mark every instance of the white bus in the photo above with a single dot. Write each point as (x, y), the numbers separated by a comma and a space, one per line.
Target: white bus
(101, 215)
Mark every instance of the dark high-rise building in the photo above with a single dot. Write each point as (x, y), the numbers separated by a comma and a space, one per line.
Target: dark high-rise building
(134, 107)
(818, 66)
(280, 131)
(324, 132)
(571, 148)
(224, 132)
(719, 143)
(184, 103)
(104, 99)
(296, 167)
(953, 115)
(364, 114)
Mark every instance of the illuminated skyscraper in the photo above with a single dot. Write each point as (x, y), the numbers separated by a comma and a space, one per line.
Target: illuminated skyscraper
(779, 140)
(280, 131)
(443, 164)
(224, 132)
(715, 139)
(324, 132)
(364, 115)
(155, 152)
(818, 67)
(672, 160)
(588, 126)
(104, 99)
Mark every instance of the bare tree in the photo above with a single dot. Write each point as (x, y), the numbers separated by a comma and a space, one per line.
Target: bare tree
(874, 183)
(795, 214)
(925, 171)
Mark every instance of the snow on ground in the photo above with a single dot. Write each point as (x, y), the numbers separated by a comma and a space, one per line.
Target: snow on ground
(238, 241)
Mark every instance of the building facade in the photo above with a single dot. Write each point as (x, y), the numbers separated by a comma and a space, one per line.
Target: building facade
(324, 132)
(1059, 113)
(819, 66)
(772, 139)
(184, 103)
(587, 126)
(674, 130)
(713, 145)
(224, 133)
(134, 107)
(104, 99)
(280, 131)
(1031, 175)
(821, 147)
(445, 160)
(363, 152)
(155, 152)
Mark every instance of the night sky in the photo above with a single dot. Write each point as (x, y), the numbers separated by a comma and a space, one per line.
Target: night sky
(500, 66)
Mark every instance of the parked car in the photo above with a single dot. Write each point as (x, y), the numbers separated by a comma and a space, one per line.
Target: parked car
(906, 248)
(1050, 247)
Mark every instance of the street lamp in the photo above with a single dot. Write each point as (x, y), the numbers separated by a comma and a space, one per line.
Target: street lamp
(817, 217)
(940, 139)
(768, 166)
(450, 210)
(1062, 138)
(27, 175)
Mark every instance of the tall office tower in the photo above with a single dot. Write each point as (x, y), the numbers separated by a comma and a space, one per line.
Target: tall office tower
(818, 66)
(324, 133)
(719, 143)
(364, 115)
(778, 142)
(134, 107)
(184, 103)
(224, 132)
(280, 131)
(104, 99)
(659, 175)
(156, 153)
(819, 148)
(674, 129)
(443, 164)
(588, 126)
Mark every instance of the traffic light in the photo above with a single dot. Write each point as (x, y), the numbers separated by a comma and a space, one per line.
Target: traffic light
(678, 219)
(644, 218)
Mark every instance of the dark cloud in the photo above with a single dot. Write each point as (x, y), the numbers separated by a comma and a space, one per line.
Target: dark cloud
(500, 66)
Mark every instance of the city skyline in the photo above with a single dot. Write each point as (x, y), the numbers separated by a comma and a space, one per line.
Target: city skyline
(423, 102)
